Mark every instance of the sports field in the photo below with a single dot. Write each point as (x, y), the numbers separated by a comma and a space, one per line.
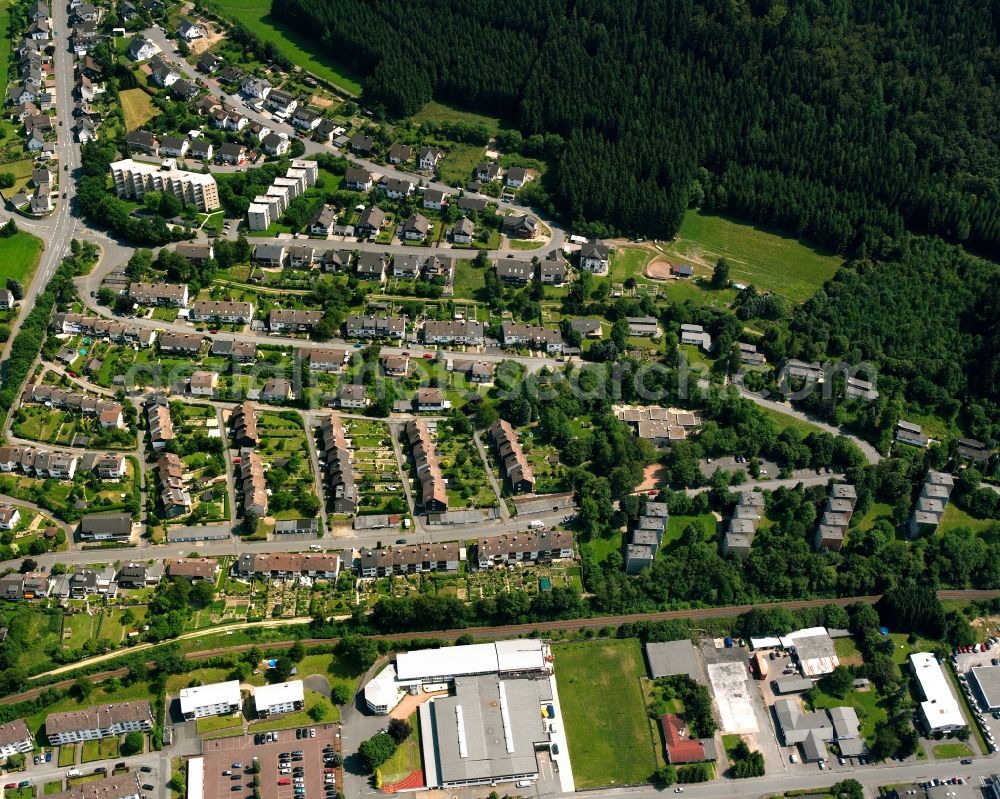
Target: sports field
(256, 15)
(606, 723)
(138, 108)
(19, 257)
(756, 255)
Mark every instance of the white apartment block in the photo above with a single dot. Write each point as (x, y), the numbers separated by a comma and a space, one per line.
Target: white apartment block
(133, 179)
(15, 738)
(258, 216)
(285, 697)
(217, 699)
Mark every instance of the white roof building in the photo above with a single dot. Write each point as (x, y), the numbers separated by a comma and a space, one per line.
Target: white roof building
(940, 710)
(211, 700)
(814, 649)
(383, 693)
(283, 697)
(196, 778)
(519, 656)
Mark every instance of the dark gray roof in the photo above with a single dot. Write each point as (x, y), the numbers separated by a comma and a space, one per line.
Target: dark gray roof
(673, 657)
(115, 523)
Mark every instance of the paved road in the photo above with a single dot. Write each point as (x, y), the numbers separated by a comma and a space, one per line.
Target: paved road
(56, 230)
(873, 456)
(870, 777)
(771, 485)
(38, 509)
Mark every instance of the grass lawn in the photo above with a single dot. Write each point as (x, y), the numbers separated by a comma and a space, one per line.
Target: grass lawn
(19, 256)
(99, 750)
(53, 786)
(783, 420)
(77, 630)
(256, 15)
(677, 524)
(600, 548)
(21, 170)
(439, 112)
(67, 755)
(5, 52)
(847, 652)
(459, 162)
(729, 743)
(868, 704)
(954, 516)
(629, 262)
(206, 676)
(756, 255)
(878, 510)
(610, 742)
(138, 107)
(408, 756)
(904, 649)
(950, 750)
(469, 280)
(212, 723)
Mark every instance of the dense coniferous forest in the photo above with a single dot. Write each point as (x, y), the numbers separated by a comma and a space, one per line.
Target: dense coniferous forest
(844, 121)
(926, 316)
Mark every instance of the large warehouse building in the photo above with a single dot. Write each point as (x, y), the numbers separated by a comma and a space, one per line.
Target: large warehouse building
(510, 658)
(500, 719)
(985, 680)
(489, 731)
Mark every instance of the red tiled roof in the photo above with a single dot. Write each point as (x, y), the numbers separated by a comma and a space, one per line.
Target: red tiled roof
(680, 749)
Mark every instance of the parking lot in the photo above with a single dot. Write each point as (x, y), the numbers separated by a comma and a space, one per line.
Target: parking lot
(290, 767)
(988, 721)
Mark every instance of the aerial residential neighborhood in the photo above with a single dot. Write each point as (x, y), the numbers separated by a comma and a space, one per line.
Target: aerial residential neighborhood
(499, 402)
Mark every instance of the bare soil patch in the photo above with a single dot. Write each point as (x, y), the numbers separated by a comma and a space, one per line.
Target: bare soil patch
(658, 269)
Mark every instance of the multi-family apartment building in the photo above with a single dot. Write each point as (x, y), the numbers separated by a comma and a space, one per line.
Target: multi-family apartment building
(134, 179)
(409, 559)
(99, 721)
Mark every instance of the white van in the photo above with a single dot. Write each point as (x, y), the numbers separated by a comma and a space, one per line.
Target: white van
(524, 783)
(535, 524)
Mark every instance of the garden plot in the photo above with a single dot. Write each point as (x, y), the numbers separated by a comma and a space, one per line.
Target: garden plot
(463, 469)
(380, 486)
(200, 448)
(287, 466)
(470, 586)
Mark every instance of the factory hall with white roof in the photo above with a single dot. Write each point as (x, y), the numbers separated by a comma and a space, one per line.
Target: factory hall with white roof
(489, 713)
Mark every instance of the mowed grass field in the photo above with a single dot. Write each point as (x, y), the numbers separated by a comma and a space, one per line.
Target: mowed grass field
(256, 15)
(138, 107)
(756, 255)
(605, 718)
(438, 112)
(19, 256)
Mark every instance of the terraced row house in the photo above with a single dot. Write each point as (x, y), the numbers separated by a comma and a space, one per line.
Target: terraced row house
(433, 491)
(342, 492)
